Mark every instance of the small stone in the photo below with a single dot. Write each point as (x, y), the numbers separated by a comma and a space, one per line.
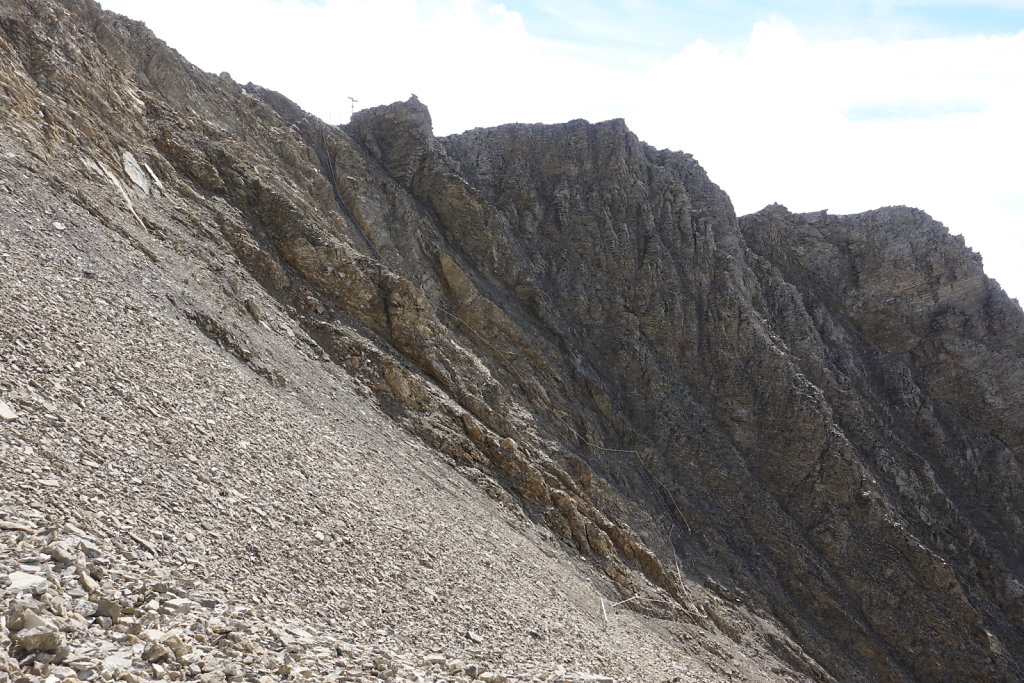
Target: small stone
(90, 549)
(22, 615)
(152, 635)
(108, 608)
(85, 608)
(157, 652)
(177, 606)
(176, 645)
(83, 665)
(88, 583)
(61, 553)
(475, 637)
(473, 428)
(17, 525)
(38, 639)
(23, 582)
(116, 662)
(434, 659)
(7, 413)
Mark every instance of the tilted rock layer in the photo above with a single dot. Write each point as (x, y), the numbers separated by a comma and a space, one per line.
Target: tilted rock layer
(792, 444)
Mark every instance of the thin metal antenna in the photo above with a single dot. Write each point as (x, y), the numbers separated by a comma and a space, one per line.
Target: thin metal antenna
(353, 100)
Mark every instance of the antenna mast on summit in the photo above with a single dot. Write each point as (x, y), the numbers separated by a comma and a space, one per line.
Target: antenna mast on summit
(353, 101)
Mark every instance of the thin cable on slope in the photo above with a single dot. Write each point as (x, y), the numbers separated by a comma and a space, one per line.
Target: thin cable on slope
(328, 166)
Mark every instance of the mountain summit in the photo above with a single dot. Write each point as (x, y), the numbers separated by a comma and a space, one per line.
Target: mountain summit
(285, 400)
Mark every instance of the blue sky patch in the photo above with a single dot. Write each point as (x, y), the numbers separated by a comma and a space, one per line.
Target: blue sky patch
(909, 110)
(655, 29)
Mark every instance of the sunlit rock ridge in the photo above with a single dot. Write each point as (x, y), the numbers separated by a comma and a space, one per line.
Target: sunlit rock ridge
(790, 445)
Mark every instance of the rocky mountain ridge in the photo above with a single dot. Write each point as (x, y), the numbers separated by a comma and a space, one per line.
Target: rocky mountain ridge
(790, 444)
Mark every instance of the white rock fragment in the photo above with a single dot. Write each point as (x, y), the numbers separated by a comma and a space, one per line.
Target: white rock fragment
(23, 582)
(178, 606)
(113, 663)
(155, 177)
(7, 413)
(135, 172)
(17, 525)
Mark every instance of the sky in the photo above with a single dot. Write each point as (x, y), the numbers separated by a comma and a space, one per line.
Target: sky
(831, 104)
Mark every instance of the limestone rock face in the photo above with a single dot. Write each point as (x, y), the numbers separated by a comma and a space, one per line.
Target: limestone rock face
(791, 444)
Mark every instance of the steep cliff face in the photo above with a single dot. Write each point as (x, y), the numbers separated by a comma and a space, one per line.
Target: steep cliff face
(896, 326)
(796, 438)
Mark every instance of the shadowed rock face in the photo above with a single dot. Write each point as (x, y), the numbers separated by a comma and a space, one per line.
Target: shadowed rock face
(817, 418)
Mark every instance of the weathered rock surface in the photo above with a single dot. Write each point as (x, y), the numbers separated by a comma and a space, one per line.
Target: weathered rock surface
(786, 446)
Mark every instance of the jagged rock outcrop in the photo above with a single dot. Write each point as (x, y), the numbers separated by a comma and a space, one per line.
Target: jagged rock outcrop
(795, 438)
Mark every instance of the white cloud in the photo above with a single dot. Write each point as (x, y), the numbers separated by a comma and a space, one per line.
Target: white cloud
(472, 62)
(769, 121)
